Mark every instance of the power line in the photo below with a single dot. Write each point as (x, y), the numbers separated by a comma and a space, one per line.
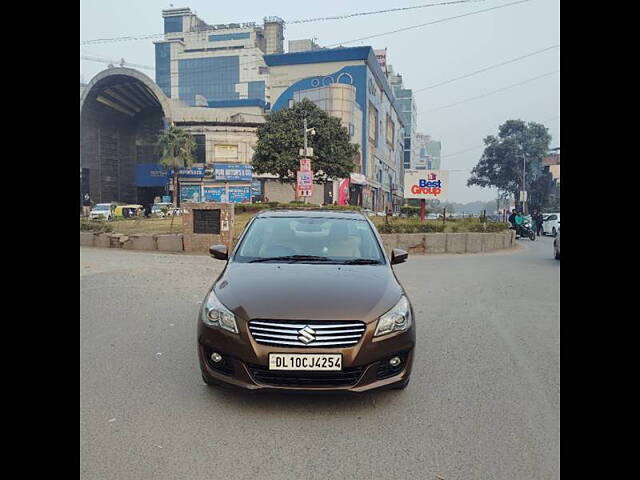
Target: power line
(430, 23)
(375, 12)
(292, 22)
(120, 62)
(537, 52)
(492, 92)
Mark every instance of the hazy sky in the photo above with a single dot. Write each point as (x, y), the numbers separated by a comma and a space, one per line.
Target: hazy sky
(424, 56)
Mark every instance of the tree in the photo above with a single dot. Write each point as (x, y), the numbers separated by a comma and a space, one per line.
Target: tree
(501, 164)
(177, 147)
(281, 137)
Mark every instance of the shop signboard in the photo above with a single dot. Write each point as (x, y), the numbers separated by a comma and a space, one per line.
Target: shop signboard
(190, 193)
(233, 172)
(214, 194)
(256, 188)
(240, 194)
(151, 175)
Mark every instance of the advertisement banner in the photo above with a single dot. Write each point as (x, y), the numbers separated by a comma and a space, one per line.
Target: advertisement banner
(233, 172)
(256, 188)
(343, 192)
(214, 194)
(151, 175)
(240, 194)
(190, 193)
(426, 183)
(193, 172)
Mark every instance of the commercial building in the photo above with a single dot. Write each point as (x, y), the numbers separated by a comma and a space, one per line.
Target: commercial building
(428, 153)
(215, 65)
(409, 112)
(218, 82)
(551, 163)
(349, 84)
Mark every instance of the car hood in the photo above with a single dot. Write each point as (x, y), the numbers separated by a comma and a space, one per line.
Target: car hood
(308, 291)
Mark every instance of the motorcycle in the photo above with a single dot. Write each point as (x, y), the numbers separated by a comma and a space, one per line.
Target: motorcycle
(526, 231)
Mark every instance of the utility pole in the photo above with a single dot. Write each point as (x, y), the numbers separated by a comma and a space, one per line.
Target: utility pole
(524, 188)
(306, 155)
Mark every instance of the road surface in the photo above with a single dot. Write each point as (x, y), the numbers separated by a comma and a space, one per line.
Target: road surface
(483, 402)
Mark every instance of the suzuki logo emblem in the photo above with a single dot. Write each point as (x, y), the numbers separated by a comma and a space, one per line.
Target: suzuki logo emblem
(306, 335)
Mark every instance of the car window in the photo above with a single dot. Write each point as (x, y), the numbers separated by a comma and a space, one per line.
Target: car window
(334, 239)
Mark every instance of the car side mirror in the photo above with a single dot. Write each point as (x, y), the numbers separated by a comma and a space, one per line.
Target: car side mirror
(219, 251)
(398, 256)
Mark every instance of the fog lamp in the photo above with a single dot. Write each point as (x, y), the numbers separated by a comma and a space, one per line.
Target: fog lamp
(216, 357)
(395, 361)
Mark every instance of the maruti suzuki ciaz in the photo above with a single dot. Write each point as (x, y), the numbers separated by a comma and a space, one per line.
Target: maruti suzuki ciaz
(307, 301)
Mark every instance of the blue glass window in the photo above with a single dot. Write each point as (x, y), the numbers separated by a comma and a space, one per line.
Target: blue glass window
(213, 78)
(172, 24)
(229, 36)
(256, 90)
(163, 68)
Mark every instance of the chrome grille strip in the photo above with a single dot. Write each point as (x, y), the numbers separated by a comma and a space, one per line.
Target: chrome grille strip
(323, 333)
(302, 325)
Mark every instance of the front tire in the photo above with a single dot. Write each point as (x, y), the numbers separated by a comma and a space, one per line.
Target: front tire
(532, 236)
(554, 232)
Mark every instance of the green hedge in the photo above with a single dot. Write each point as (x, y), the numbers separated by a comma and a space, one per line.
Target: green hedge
(411, 227)
(436, 226)
(256, 207)
(95, 226)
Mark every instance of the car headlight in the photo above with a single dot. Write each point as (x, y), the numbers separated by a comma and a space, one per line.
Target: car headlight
(215, 314)
(396, 319)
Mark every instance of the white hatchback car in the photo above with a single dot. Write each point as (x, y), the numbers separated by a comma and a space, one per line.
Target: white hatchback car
(551, 224)
(101, 210)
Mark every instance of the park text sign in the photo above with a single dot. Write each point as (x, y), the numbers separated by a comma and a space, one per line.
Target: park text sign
(426, 183)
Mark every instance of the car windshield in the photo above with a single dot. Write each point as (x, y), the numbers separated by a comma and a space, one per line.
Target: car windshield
(309, 240)
(102, 207)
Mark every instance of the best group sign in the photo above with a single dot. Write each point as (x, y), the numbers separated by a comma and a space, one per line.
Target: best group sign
(426, 183)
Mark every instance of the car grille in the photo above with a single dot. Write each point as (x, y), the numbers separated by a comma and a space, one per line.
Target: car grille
(301, 333)
(348, 376)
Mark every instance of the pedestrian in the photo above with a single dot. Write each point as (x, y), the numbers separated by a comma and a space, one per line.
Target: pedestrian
(512, 218)
(537, 217)
(86, 205)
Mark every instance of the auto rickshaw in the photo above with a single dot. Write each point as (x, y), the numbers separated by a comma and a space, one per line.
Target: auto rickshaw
(126, 211)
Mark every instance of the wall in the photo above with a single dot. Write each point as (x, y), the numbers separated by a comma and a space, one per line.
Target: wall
(200, 242)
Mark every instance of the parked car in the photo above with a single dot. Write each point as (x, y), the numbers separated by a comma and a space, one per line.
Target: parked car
(551, 224)
(101, 211)
(165, 209)
(307, 301)
(556, 245)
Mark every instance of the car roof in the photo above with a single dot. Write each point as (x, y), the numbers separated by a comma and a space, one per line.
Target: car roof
(312, 213)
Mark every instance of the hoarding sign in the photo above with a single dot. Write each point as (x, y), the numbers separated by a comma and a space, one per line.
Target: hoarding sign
(190, 193)
(426, 183)
(214, 194)
(240, 194)
(305, 179)
(233, 172)
(193, 172)
(256, 188)
(151, 175)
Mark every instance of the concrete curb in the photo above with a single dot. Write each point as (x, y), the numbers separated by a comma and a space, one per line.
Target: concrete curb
(414, 243)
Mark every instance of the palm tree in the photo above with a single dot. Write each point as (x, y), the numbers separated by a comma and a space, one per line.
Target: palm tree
(177, 147)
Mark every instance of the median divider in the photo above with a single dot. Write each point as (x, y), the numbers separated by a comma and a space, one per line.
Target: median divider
(414, 243)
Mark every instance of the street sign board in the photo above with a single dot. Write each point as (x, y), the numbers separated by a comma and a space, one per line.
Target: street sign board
(523, 195)
(426, 183)
(305, 179)
(305, 165)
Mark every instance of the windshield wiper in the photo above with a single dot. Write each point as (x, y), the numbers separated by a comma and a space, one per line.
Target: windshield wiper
(361, 261)
(291, 258)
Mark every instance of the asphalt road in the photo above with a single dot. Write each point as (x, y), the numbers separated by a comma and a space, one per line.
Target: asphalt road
(483, 403)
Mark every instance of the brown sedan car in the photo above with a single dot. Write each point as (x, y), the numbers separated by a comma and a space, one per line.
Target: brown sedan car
(308, 301)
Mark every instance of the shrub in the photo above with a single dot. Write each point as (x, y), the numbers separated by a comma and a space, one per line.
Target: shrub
(497, 227)
(95, 226)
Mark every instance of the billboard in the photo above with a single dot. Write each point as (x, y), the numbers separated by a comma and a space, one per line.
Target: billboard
(190, 193)
(426, 183)
(233, 172)
(151, 175)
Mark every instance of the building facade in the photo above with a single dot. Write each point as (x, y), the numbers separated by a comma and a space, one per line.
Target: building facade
(348, 83)
(215, 65)
(409, 113)
(428, 153)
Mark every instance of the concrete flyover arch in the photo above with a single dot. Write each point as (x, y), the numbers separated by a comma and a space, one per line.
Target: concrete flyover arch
(121, 113)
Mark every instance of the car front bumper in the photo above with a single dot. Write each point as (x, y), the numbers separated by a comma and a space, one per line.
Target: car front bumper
(364, 366)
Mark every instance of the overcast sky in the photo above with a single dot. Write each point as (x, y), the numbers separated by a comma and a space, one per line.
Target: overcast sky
(424, 56)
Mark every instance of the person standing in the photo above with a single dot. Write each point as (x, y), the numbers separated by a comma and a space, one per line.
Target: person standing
(537, 217)
(86, 205)
(512, 219)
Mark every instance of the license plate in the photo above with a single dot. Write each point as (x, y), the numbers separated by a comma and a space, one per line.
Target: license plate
(306, 361)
